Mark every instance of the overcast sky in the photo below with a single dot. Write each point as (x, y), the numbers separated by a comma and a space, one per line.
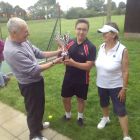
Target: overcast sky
(65, 4)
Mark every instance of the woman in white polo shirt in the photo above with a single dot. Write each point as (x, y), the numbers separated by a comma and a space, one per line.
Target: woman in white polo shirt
(112, 76)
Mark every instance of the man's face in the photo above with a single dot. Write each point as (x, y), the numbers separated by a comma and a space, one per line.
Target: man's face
(22, 34)
(81, 31)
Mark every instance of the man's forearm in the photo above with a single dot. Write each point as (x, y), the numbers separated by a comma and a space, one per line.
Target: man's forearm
(51, 53)
(46, 65)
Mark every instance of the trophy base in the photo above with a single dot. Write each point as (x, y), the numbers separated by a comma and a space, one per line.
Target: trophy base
(65, 55)
(59, 55)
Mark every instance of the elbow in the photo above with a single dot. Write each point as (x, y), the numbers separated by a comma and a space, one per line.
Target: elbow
(88, 68)
(126, 73)
(36, 71)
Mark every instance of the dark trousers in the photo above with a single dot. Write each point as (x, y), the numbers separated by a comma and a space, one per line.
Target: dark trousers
(34, 98)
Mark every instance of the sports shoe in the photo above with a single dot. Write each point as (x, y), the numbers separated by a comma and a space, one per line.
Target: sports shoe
(39, 138)
(80, 122)
(127, 138)
(6, 79)
(103, 123)
(64, 118)
(46, 125)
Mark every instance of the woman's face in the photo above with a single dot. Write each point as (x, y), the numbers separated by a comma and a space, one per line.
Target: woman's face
(81, 31)
(109, 36)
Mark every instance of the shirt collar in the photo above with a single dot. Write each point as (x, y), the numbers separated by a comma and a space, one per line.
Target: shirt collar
(114, 48)
(81, 43)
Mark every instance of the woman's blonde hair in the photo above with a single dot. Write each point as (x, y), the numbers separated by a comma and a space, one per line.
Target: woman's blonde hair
(114, 25)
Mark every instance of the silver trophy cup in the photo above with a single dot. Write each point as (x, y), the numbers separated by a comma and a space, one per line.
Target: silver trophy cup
(63, 40)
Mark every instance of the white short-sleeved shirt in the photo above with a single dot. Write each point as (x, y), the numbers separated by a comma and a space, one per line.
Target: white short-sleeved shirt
(109, 68)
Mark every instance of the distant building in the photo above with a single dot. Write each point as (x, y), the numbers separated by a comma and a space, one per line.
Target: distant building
(132, 19)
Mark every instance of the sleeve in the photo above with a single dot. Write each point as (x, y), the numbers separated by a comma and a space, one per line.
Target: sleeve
(1, 46)
(92, 53)
(100, 49)
(38, 54)
(24, 65)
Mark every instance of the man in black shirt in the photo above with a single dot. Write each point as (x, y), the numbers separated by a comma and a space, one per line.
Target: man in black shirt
(76, 80)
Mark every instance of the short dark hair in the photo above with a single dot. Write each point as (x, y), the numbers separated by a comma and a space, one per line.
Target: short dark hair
(114, 25)
(82, 20)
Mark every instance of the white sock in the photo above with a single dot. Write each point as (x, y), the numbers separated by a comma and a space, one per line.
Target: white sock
(68, 114)
(80, 115)
(107, 118)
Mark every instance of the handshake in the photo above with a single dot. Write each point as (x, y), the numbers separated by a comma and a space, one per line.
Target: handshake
(62, 41)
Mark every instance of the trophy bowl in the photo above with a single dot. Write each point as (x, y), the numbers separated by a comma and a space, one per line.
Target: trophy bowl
(62, 41)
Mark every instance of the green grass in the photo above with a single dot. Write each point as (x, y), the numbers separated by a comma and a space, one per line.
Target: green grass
(54, 77)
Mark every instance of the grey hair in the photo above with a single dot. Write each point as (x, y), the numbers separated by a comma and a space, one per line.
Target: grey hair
(14, 24)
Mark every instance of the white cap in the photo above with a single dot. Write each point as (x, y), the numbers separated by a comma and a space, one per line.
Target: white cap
(107, 28)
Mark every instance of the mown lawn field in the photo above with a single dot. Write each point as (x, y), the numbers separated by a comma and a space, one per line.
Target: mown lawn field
(40, 32)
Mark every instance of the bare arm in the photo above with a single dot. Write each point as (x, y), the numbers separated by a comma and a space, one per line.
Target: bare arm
(125, 68)
(44, 54)
(83, 66)
(125, 76)
(50, 64)
(51, 53)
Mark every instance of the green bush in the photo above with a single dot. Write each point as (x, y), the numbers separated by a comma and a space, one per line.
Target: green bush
(3, 19)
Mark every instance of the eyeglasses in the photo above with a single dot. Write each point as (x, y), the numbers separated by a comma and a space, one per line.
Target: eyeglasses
(81, 29)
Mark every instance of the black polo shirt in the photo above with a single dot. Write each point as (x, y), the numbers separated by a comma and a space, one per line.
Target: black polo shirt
(79, 53)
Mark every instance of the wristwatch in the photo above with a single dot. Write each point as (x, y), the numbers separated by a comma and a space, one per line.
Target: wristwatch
(53, 63)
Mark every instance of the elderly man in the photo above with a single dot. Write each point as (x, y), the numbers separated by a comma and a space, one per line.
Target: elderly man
(21, 55)
(2, 82)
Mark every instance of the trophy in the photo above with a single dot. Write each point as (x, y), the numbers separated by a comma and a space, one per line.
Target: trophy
(63, 40)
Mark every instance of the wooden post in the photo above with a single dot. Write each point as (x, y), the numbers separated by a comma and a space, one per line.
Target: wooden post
(1, 33)
(132, 19)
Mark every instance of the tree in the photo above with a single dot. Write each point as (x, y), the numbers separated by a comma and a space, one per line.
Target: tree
(6, 9)
(108, 18)
(113, 6)
(42, 8)
(32, 12)
(74, 12)
(122, 5)
(46, 5)
(19, 12)
(121, 8)
(96, 4)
